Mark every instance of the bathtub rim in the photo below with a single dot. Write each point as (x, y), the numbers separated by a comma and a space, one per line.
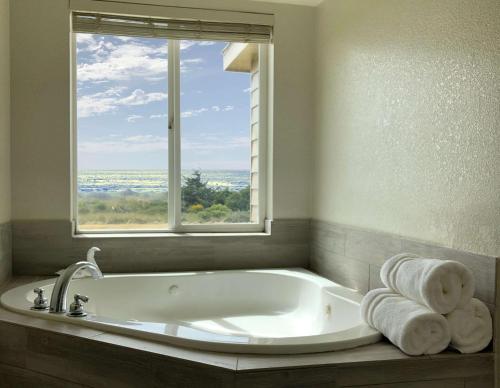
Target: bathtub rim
(362, 334)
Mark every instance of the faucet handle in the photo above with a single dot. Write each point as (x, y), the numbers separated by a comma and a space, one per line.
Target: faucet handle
(81, 298)
(40, 302)
(76, 308)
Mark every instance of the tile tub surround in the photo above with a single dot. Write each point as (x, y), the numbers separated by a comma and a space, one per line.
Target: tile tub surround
(40, 353)
(353, 257)
(5, 252)
(43, 247)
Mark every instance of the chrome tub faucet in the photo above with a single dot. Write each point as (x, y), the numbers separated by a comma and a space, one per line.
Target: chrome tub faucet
(60, 290)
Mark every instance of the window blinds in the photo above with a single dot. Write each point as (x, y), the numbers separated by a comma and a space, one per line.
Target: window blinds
(170, 28)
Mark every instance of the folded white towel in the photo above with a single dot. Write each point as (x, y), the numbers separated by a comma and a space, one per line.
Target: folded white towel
(471, 327)
(441, 285)
(412, 327)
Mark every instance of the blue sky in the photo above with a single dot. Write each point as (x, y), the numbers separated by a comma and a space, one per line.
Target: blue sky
(122, 105)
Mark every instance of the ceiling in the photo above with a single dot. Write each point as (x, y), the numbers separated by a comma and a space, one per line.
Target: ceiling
(311, 3)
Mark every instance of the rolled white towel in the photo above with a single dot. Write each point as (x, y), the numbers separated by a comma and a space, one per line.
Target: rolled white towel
(471, 327)
(412, 327)
(441, 285)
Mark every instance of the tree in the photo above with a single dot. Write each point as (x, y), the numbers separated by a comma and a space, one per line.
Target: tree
(195, 191)
(239, 200)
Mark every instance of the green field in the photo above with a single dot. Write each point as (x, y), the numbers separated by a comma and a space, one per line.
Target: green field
(200, 205)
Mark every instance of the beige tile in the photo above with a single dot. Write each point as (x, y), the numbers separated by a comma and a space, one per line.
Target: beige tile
(5, 270)
(323, 377)
(381, 351)
(414, 369)
(447, 383)
(86, 361)
(43, 247)
(5, 252)
(328, 236)
(172, 373)
(370, 246)
(487, 381)
(347, 272)
(375, 281)
(452, 354)
(13, 377)
(221, 360)
(496, 324)
(17, 281)
(12, 344)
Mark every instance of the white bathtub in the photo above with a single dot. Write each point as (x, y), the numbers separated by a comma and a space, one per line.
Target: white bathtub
(256, 311)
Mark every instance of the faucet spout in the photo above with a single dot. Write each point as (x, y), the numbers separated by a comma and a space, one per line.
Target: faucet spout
(60, 290)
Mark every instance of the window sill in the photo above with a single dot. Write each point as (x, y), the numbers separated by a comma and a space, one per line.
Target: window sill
(258, 231)
(169, 235)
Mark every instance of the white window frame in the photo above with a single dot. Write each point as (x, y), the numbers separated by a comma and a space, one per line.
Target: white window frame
(174, 154)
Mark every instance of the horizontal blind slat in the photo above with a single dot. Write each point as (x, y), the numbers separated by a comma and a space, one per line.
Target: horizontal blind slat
(168, 28)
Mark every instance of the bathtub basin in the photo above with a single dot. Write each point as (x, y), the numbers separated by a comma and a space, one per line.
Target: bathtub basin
(282, 311)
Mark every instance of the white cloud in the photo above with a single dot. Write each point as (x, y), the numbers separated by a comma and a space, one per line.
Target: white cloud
(123, 61)
(88, 43)
(197, 112)
(206, 43)
(186, 63)
(97, 103)
(193, 112)
(225, 108)
(109, 100)
(214, 143)
(160, 116)
(141, 138)
(186, 44)
(140, 97)
(131, 144)
(133, 118)
(246, 90)
(203, 143)
(127, 58)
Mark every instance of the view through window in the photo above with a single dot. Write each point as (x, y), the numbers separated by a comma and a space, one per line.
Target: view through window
(123, 121)
(215, 141)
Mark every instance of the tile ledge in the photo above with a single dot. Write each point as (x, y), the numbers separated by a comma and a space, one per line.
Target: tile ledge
(375, 353)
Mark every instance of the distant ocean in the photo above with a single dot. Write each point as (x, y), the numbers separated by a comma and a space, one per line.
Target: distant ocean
(142, 181)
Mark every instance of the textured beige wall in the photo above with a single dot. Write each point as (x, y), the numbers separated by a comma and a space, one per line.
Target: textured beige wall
(4, 113)
(408, 116)
(41, 101)
(40, 109)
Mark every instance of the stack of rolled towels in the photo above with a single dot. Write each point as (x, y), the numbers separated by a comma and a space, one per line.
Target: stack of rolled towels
(428, 305)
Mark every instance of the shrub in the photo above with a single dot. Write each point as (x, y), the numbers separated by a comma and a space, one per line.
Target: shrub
(201, 204)
(238, 217)
(83, 208)
(239, 200)
(100, 206)
(214, 212)
(196, 208)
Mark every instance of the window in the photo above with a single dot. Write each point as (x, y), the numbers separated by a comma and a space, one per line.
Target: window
(170, 124)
